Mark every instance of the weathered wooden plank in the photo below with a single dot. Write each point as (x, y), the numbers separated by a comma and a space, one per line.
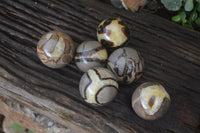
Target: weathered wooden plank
(171, 53)
(10, 116)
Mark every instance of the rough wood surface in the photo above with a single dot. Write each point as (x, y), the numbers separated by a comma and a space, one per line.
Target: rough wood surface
(171, 54)
(14, 117)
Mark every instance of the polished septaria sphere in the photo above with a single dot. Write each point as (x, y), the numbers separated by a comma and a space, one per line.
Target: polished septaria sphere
(126, 64)
(90, 54)
(55, 49)
(150, 101)
(113, 33)
(98, 86)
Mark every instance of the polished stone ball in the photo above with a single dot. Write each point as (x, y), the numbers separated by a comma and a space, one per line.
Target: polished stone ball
(55, 49)
(150, 101)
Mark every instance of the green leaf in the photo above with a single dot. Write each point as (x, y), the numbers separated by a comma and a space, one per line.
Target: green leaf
(198, 7)
(179, 17)
(197, 21)
(176, 18)
(29, 131)
(193, 16)
(188, 25)
(17, 127)
(189, 5)
(172, 5)
(184, 21)
(182, 14)
(198, 1)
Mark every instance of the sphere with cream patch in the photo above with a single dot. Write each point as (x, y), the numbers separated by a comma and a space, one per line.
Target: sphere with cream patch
(150, 101)
(98, 86)
(55, 49)
(126, 64)
(90, 54)
(113, 33)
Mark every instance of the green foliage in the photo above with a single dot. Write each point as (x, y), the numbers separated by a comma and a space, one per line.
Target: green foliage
(197, 21)
(179, 17)
(188, 12)
(189, 5)
(172, 5)
(16, 127)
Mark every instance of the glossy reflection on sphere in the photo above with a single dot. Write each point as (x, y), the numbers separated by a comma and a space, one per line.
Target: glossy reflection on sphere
(55, 49)
(98, 86)
(126, 64)
(113, 33)
(150, 101)
(90, 54)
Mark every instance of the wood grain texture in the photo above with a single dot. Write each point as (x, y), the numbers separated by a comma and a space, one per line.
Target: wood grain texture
(171, 54)
(12, 116)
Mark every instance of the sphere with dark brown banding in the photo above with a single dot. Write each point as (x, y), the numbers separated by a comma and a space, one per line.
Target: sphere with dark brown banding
(126, 64)
(98, 86)
(150, 101)
(113, 33)
(90, 54)
(55, 49)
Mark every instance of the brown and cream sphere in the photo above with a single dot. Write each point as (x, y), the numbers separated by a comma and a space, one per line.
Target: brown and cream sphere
(98, 86)
(150, 101)
(113, 33)
(55, 49)
(90, 54)
(126, 64)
